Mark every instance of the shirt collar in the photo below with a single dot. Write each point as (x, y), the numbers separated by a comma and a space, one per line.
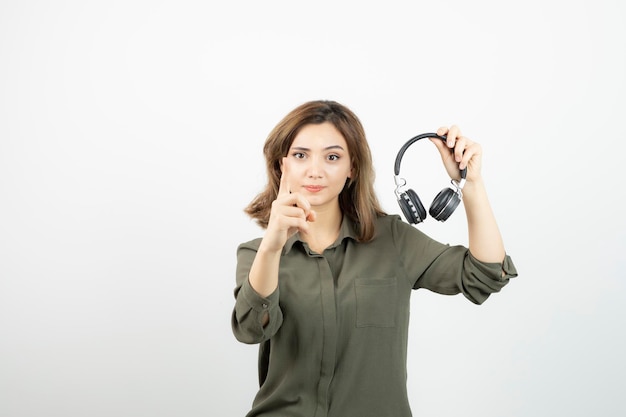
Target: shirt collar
(347, 230)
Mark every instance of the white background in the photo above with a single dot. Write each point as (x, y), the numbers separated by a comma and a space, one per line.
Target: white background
(130, 142)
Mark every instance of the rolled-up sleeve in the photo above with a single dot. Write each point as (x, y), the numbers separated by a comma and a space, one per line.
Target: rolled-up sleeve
(250, 308)
(456, 271)
(449, 270)
(481, 279)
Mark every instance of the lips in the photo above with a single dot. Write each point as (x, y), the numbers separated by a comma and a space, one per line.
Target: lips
(313, 188)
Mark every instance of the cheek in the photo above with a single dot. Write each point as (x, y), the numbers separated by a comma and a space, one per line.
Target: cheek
(345, 170)
(295, 175)
(341, 173)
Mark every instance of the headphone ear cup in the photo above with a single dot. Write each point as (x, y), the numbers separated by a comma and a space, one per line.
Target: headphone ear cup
(412, 207)
(444, 204)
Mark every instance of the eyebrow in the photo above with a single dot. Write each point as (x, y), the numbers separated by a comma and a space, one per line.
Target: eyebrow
(301, 148)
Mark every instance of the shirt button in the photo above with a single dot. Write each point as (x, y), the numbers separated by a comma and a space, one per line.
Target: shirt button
(264, 305)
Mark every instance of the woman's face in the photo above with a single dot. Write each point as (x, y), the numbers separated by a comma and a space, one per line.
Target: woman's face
(318, 164)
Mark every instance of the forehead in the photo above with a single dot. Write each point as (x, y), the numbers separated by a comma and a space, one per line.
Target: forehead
(319, 135)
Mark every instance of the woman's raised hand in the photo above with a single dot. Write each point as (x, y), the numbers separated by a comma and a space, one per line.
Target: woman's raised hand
(459, 152)
(290, 213)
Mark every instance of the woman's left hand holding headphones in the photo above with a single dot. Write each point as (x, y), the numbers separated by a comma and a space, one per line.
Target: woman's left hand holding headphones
(459, 152)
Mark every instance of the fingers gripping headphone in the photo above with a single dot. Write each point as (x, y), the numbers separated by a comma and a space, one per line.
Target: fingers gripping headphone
(444, 203)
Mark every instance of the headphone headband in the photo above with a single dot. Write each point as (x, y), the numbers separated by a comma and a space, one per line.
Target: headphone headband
(411, 142)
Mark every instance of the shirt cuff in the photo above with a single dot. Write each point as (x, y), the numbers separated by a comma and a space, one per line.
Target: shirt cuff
(495, 269)
(255, 301)
(509, 268)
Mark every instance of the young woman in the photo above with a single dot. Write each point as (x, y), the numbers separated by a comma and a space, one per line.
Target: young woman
(326, 290)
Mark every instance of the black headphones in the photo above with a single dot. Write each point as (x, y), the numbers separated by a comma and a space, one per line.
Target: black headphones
(444, 203)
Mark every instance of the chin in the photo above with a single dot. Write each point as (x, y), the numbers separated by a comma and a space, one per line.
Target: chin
(319, 201)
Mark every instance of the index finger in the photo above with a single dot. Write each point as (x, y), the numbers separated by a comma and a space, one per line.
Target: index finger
(450, 133)
(283, 187)
(453, 134)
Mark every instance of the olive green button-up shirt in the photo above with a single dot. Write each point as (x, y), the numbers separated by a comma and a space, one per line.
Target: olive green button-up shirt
(336, 341)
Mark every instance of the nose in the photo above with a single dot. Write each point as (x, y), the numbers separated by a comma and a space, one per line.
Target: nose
(314, 170)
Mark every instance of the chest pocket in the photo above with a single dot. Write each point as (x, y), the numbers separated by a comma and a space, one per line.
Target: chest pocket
(376, 302)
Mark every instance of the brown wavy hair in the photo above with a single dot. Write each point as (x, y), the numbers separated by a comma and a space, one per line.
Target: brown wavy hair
(358, 200)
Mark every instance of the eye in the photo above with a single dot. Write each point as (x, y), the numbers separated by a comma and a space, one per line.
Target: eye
(298, 155)
(333, 157)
